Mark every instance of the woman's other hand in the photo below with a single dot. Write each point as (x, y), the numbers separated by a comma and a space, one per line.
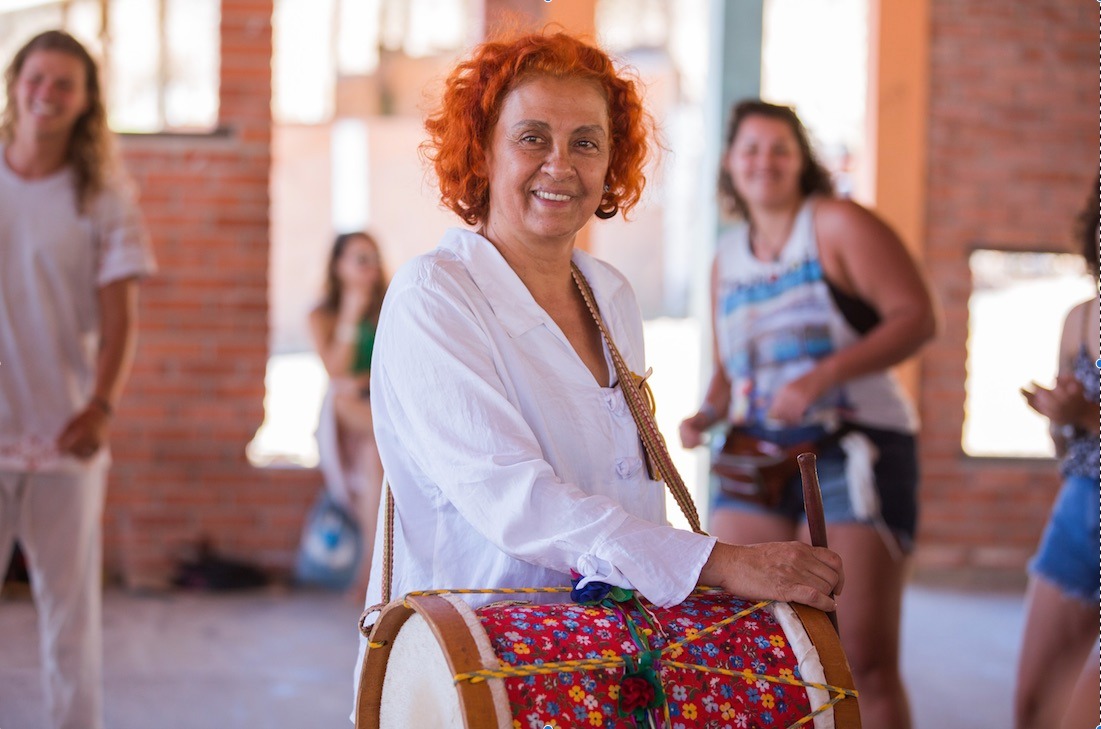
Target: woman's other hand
(1063, 404)
(716, 403)
(786, 571)
(791, 401)
(85, 434)
(353, 303)
(693, 429)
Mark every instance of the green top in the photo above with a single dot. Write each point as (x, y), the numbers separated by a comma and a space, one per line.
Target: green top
(364, 347)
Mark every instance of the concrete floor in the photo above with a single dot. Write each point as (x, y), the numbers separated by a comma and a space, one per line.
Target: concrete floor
(283, 660)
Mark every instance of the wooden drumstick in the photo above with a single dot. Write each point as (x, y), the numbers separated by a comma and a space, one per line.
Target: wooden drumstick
(812, 505)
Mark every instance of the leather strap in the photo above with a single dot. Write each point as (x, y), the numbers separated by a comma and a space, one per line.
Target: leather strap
(387, 559)
(648, 431)
(639, 402)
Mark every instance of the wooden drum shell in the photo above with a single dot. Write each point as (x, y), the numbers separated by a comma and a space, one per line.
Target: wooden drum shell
(484, 704)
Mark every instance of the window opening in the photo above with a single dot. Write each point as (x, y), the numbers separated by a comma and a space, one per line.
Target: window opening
(160, 58)
(1015, 313)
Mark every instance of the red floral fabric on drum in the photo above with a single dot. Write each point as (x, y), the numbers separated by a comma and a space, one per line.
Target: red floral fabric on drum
(524, 635)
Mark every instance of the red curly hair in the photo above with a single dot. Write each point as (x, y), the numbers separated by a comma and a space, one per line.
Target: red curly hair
(459, 129)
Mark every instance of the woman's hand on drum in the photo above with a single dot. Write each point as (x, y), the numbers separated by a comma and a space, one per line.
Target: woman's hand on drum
(785, 571)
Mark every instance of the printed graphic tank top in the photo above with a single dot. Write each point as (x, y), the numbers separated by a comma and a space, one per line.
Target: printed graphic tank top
(775, 320)
(1083, 451)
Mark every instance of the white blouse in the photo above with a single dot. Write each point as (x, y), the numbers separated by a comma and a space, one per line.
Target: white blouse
(509, 464)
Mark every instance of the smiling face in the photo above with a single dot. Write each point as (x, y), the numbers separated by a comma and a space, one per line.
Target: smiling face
(51, 94)
(765, 162)
(546, 161)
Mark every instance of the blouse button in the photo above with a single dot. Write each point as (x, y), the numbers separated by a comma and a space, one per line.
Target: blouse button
(627, 467)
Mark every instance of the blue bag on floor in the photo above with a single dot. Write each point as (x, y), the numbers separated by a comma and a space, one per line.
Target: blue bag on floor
(332, 546)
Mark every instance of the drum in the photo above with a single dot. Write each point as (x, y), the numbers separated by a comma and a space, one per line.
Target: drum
(711, 661)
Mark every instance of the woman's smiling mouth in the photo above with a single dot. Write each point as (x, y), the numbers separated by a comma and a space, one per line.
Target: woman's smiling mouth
(554, 196)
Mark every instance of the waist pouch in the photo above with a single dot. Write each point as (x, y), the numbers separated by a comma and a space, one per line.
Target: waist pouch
(757, 470)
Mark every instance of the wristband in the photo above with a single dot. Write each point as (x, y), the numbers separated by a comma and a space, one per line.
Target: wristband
(708, 411)
(1070, 431)
(102, 404)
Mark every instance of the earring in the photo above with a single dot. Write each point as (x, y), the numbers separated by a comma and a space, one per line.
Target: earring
(604, 213)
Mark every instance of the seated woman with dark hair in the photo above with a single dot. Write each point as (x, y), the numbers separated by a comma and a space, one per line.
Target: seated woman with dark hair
(343, 327)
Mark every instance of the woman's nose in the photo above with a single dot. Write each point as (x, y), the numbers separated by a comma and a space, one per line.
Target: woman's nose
(557, 163)
(44, 91)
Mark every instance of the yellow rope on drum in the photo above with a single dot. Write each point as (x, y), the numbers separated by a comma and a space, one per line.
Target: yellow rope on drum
(610, 664)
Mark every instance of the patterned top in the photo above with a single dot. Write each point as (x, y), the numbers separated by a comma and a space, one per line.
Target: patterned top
(775, 320)
(1083, 454)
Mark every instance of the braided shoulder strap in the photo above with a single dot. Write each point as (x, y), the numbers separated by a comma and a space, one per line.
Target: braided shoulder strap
(648, 431)
(640, 404)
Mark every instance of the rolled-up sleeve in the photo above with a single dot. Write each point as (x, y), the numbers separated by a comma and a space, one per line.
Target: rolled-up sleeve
(123, 247)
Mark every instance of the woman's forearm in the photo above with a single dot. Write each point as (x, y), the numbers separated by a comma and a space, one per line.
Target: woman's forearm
(118, 340)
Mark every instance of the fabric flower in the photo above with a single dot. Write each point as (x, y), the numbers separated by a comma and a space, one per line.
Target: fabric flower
(635, 693)
(593, 592)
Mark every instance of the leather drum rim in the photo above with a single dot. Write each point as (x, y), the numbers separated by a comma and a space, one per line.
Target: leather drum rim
(476, 700)
(452, 633)
(373, 672)
(846, 713)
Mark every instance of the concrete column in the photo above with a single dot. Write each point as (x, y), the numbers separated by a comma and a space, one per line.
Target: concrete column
(898, 110)
(734, 74)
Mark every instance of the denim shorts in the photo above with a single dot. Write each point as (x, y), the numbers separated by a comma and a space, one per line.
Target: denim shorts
(896, 476)
(1069, 550)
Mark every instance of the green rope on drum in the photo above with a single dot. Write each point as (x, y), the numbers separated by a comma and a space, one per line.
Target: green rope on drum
(640, 690)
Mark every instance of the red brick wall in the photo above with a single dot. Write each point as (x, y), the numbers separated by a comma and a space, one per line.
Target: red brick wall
(1013, 147)
(195, 398)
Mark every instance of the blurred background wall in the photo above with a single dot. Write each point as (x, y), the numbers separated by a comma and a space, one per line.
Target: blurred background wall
(257, 129)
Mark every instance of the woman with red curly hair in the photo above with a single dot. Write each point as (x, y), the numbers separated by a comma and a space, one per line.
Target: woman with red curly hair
(511, 453)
